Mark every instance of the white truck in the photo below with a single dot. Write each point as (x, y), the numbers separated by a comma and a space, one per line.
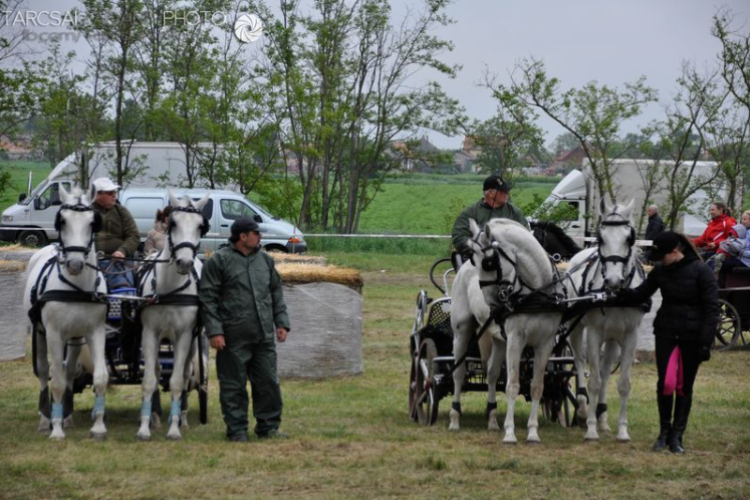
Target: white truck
(578, 189)
(31, 220)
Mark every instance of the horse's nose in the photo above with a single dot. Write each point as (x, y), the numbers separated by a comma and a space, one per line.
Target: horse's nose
(184, 265)
(74, 266)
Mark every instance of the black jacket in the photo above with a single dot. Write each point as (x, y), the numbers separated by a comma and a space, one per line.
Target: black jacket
(654, 227)
(690, 300)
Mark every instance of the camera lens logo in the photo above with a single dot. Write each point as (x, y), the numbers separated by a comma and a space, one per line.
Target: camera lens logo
(248, 28)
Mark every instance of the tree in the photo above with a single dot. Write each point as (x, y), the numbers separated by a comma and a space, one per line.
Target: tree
(114, 27)
(508, 138)
(731, 148)
(594, 114)
(335, 82)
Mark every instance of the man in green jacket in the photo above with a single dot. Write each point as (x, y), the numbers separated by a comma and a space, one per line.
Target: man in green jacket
(119, 236)
(243, 310)
(494, 204)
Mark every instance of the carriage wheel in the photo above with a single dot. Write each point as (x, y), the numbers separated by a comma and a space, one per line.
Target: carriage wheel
(426, 397)
(203, 378)
(413, 388)
(729, 329)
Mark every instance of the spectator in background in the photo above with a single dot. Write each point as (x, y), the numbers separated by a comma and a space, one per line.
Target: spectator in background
(655, 224)
(157, 237)
(719, 228)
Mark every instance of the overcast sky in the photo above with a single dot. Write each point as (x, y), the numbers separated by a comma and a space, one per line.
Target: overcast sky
(610, 41)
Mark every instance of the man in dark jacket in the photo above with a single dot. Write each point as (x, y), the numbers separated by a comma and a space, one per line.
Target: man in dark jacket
(119, 236)
(494, 204)
(655, 224)
(684, 328)
(244, 313)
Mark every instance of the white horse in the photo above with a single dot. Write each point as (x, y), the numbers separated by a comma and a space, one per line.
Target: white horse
(510, 270)
(64, 296)
(608, 267)
(171, 280)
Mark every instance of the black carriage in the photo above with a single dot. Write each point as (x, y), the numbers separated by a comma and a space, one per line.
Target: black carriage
(734, 310)
(432, 362)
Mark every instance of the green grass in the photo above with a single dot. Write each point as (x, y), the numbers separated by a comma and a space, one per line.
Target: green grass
(351, 436)
(19, 178)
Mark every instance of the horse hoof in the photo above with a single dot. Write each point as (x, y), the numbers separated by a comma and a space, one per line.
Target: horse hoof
(454, 428)
(174, 437)
(155, 421)
(44, 426)
(591, 439)
(56, 437)
(98, 436)
(493, 426)
(68, 423)
(143, 437)
(510, 440)
(533, 441)
(623, 439)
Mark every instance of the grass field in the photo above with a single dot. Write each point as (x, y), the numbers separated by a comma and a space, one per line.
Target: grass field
(19, 178)
(351, 436)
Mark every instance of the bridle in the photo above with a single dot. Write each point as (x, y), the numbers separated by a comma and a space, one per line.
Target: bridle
(185, 244)
(59, 222)
(624, 260)
(492, 262)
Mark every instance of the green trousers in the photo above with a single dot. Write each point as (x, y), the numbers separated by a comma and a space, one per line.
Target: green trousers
(234, 366)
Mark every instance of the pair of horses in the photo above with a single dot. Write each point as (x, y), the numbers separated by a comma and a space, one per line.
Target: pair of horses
(514, 289)
(66, 296)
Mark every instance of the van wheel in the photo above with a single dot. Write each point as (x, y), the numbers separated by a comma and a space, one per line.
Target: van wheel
(275, 249)
(32, 239)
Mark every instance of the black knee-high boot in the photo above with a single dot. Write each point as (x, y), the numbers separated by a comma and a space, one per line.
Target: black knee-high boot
(681, 413)
(665, 420)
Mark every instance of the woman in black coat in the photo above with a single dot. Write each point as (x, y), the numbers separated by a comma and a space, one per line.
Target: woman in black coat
(684, 328)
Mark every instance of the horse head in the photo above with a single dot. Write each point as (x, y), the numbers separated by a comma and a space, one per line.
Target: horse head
(615, 240)
(187, 225)
(76, 222)
(495, 262)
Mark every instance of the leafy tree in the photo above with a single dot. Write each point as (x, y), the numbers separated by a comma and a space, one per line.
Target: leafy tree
(593, 114)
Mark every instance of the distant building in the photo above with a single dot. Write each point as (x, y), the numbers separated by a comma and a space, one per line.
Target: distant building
(567, 161)
(19, 150)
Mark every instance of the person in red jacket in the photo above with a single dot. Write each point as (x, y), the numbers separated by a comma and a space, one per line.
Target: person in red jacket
(717, 231)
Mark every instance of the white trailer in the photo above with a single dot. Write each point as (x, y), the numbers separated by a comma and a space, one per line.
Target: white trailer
(579, 190)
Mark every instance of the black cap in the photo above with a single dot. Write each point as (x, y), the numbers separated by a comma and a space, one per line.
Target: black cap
(663, 243)
(495, 182)
(243, 225)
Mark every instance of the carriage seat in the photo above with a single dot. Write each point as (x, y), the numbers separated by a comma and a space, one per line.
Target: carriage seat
(738, 277)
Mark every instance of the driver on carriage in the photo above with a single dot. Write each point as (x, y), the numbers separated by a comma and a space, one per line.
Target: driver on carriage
(118, 238)
(493, 205)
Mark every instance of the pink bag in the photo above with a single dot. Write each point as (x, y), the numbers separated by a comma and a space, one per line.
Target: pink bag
(673, 377)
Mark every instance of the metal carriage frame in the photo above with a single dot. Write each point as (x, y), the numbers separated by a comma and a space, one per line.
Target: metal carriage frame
(432, 363)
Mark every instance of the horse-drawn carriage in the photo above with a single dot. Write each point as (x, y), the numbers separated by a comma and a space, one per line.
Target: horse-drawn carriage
(142, 335)
(536, 345)
(433, 363)
(734, 304)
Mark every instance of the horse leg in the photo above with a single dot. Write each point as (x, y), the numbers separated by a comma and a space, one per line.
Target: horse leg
(42, 368)
(71, 366)
(610, 355)
(512, 386)
(541, 356)
(593, 347)
(623, 385)
(149, 346)
(460, 346)
(177, 383)
(190, 363)
(55, 344)
(494, 366)
(579, 360)
(96, 341)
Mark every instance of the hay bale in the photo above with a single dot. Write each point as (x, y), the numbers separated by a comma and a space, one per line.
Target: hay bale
(295, 258)
(307, 273)
(326, 336)
(16, 253)
(13, 319)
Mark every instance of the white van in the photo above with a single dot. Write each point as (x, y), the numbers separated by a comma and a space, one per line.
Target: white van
(31, 221)
(222, 209)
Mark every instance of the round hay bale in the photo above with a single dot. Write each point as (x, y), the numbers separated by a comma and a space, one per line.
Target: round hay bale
(13, 319)
(295, 258)
(326, 336)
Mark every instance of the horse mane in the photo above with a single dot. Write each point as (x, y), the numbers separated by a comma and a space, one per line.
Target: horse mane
(532, 261)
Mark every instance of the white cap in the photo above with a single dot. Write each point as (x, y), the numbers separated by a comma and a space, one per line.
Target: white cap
(105, 184)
